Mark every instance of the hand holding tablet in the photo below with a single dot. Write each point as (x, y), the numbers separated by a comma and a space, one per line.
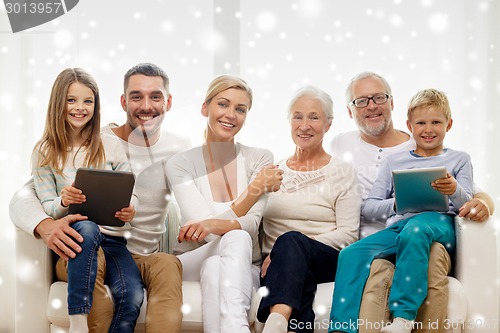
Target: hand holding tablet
(414, 193)
(106, 192)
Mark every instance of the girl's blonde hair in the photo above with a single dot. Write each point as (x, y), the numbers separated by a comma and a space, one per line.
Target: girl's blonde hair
(224, 82)
(427, 98)
(55, 141)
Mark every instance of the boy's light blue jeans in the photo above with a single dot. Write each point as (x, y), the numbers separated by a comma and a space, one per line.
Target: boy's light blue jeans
(410, 241)
(122, 276)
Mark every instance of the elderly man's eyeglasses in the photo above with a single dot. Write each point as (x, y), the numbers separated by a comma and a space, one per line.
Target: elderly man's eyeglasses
(363, 102)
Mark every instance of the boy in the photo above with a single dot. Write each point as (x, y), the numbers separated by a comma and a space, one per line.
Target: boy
(407, 236)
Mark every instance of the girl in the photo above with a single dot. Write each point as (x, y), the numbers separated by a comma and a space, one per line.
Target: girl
(219, 189)
(71, 139)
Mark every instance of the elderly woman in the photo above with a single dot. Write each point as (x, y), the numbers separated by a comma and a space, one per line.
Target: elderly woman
(308, 221)
(219, 187)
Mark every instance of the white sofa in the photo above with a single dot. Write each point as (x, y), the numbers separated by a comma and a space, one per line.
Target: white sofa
(473, 306)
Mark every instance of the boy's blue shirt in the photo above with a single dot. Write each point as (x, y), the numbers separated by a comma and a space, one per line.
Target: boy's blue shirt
(380, 202)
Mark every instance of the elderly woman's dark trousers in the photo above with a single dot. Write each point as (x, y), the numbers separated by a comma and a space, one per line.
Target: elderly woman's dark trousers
(298, 265)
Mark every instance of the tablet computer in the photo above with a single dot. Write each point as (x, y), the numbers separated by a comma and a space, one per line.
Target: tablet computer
(413, 191)
(106, 193)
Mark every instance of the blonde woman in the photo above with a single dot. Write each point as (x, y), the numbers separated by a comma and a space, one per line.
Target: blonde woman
(219, 187)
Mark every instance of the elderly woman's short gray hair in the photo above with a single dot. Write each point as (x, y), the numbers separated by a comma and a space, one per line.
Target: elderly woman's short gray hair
(314, 93)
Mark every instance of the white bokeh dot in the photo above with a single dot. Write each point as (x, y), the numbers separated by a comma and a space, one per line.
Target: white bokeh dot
(263, 292)
(320, 309)
(213, 41)
(476, 83)
(427, 3)
(438, 22)
(167, 26)
(266, 21)
(311, 8)
(396, 21)
(186, 309)
(484, 6)
(56, 303)
(63, 39)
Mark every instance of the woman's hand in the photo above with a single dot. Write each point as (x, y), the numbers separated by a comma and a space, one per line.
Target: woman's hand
(447, 185)
(268, 179)
(265, 266)
(195, 231)
(126, 214)
(71, 195)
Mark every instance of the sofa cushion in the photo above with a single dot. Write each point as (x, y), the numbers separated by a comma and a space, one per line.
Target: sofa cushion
(57, 312)
(457, 305)
(57, 307)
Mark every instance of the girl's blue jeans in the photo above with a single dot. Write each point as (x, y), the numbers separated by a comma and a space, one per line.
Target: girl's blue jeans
(122, 276)
(410, 241)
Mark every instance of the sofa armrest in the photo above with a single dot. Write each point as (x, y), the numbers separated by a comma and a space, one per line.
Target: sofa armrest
(33, 280)
(476, 269)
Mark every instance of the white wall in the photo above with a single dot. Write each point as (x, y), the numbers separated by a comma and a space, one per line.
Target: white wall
(277, 46)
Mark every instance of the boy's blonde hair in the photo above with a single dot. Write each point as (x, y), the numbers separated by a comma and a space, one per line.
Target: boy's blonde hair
(427, 98)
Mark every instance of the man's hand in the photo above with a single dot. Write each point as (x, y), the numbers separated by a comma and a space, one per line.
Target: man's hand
(60, 237)
(475, 209)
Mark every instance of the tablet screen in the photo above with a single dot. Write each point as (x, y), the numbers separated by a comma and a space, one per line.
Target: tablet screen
(106, 193)
(413, 191)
